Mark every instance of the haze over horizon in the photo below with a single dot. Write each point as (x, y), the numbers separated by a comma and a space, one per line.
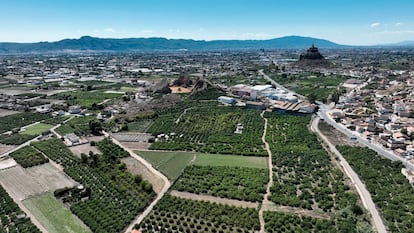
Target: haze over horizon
(346, 22)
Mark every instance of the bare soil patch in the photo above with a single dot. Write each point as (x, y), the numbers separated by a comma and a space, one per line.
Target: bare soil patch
(95, 138)
(293, 210)
(24, 183)
(5, 148)
(334, 136)
(7, 163)
(4, 112)
(218, 200)
(180, 90)
(84, 148)
(135, 167)
(136, 145)
(132, 137)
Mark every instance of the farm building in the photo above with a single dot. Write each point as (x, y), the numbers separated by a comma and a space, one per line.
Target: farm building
(255, 105)
(227, 100)
(72, 138)
(74, 109)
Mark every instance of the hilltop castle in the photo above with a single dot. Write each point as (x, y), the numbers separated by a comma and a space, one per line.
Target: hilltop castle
(311, 54)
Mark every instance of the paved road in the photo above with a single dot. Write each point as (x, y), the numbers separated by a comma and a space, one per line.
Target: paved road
(265, 202)
(167, 184)
(362, 191)
(324, 113)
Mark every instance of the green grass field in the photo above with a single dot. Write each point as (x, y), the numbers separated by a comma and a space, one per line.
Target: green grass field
(37, 129)
(230, 160)
(87, 98)
(170, 164)
(53, 215)
(173, 163)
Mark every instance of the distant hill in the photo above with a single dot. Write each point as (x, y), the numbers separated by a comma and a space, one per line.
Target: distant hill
(92, 44)
(407, 43)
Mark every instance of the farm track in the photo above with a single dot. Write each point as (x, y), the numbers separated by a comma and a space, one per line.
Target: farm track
(265, 201)
(359, 185)
(212, 199)
(24, 209)
(167, 184)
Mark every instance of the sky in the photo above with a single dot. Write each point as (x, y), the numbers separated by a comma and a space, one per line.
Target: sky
(352, 22)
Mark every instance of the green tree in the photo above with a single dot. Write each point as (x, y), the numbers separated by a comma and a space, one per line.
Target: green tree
(95, 126)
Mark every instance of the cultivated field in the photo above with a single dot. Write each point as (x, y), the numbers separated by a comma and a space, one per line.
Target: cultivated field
(24, 183)
(5, 148)
(140, 125)
(37, 129)
(137, 168)
(7, 163)
(171, 164)
(230, 160)
(137, 145)
(53, 215)
(131, 137)
(84, 148)
(212, 199)
(4, 112)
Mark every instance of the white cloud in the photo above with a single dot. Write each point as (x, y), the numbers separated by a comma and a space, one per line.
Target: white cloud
(399, 24)
(374, 25)
(109, 30)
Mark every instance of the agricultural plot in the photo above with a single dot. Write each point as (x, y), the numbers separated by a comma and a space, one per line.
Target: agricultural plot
(320, 87)
(211, 129)
(5, 112)
(7, 163)
(390, 190)
(37, 129)
(288, 223)
(230, 160)
(56, 120)
(85, 149)
(140, 126)
(131, 137)
(115, 196)
(171, 164)
(5, 148)
(20, 119)
(26, 182)
(77, 125)
(86, 98)
(135, 167)
(53, 215)
(15, 139)
(183, 215)
(304, 175)
(28, 157)
(247, 184)
(12, 217)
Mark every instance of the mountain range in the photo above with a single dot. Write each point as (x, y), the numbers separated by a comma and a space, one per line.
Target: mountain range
(93, 44)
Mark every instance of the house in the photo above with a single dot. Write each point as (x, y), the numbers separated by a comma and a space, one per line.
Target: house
(395, 144)
(408, 174)
(400, 152)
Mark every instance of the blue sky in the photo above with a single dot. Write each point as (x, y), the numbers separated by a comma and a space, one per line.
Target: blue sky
(357, 22)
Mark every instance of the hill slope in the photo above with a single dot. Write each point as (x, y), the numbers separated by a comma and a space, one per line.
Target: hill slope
(87, 43)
